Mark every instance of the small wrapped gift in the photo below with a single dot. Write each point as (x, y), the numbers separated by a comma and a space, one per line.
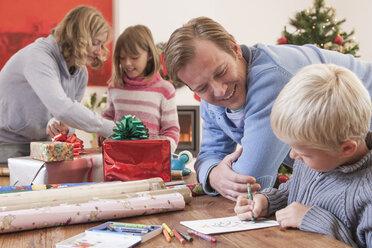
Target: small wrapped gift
(51, 151)
(26, 171)
(129, 156)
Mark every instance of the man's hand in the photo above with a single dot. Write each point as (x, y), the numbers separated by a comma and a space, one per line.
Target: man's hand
(55, 128)
(291, 215)
(229, 183)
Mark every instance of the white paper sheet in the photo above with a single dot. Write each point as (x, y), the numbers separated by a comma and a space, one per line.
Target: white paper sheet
(227, 224)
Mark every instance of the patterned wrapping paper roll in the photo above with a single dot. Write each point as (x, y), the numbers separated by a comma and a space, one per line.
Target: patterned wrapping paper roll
(4, 172)
(17, 189)
(94, 210)
(185, 192)
(196, 188)
(78, 194)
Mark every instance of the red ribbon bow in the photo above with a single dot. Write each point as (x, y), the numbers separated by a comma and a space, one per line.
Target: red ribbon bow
(78, 143)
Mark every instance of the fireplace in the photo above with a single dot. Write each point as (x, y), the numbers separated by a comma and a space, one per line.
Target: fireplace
(189, 119)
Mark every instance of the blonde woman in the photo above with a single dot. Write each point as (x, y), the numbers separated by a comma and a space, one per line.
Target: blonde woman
(41, 86)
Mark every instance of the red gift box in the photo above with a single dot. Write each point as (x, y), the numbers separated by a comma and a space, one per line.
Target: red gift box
(129, 160)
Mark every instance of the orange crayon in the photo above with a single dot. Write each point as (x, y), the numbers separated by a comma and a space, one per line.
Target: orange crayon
(166, 235)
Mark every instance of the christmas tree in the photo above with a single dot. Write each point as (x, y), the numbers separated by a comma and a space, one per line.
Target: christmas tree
(319, 26)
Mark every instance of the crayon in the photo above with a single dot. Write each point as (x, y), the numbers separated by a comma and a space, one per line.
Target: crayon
(130, 225)
(127, 229)
(203, 236)
(250, 196)
(166, 235)
(185, 236)
(179, 237)
(168, 229)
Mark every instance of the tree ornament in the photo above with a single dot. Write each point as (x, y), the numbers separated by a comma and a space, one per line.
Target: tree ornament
(283, 40)
(338, 40)
(196, 97)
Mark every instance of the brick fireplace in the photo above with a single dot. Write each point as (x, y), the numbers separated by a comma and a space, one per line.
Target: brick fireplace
(189, 120)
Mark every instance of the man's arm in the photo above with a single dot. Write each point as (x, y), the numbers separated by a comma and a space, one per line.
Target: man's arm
(213, 165)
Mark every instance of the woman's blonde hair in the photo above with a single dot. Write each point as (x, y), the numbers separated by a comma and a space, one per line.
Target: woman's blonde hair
(132, 38)
(323, 105)
(77, 30)
(180, 48)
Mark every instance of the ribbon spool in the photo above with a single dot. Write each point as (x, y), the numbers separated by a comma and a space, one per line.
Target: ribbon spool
(183, 159)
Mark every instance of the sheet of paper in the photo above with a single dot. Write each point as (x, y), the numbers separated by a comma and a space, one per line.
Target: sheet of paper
(227, 224)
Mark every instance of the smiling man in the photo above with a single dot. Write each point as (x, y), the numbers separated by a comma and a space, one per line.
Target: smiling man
(238, 86)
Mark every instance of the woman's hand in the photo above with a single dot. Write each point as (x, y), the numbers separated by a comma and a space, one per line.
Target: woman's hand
(55, 128)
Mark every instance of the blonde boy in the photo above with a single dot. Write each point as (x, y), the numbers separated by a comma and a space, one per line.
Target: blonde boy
(324, 114)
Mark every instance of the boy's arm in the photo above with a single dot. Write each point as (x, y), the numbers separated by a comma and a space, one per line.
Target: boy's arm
(319, 220)
(277, 198)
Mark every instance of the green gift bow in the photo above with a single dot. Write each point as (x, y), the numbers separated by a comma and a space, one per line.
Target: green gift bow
(129, 128)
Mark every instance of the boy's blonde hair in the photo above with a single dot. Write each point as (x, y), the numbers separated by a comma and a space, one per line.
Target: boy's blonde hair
(129, 40)
(180, 48)
(323, 105)
(77, 30)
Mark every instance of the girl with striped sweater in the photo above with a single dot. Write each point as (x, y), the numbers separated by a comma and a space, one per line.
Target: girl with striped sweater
(137, 88)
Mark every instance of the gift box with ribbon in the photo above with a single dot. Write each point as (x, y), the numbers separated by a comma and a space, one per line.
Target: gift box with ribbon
(27, 171)
(128, 155)
(51, 151)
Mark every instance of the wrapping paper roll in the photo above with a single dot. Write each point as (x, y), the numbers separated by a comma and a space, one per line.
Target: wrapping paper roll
(4, 172)
(78, 194)
(17, 189)
(94, 210)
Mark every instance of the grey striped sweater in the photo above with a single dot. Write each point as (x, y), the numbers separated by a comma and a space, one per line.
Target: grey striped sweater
(340, 200)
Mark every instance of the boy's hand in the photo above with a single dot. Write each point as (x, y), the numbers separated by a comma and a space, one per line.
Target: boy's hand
(291, 215)
(246, 209)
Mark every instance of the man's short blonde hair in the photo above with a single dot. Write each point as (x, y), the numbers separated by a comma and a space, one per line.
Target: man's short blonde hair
(180, 48)
(323, 105)
(76, 32)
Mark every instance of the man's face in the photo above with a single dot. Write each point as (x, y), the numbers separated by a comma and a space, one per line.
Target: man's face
(215, 76)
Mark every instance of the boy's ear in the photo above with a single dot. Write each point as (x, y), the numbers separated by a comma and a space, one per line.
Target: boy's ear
(349, 147)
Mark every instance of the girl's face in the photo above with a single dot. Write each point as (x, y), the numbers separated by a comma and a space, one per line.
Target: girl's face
(134, 65)
(95, 50)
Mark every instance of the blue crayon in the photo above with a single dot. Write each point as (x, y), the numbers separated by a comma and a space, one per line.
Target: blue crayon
(127, 229)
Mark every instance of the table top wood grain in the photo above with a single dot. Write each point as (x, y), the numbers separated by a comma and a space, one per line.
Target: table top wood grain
(201, 207)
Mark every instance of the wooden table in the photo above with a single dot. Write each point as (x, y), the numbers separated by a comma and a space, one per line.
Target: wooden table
(201, 207)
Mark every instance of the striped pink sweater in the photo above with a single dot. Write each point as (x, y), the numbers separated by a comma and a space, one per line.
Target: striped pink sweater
(151, 102)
